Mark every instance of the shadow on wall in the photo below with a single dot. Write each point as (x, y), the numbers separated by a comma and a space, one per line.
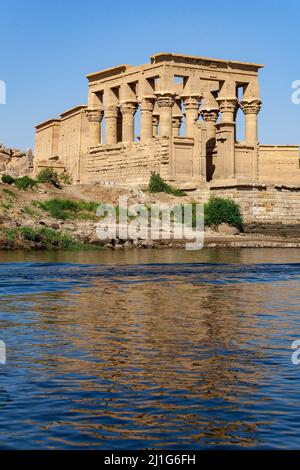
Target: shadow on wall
(210, 167)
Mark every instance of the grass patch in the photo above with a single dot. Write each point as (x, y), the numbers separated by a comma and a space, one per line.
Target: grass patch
(42, 238)
(158, 185)
(9, 192)
(67, 209)
(6, 205)
(31, 212)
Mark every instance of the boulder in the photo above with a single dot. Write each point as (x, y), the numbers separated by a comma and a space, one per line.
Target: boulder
(108, 245)
(69, 226)
(4, 158)
(17, 153)
(147, 244)
(226, 229)
(6, 150)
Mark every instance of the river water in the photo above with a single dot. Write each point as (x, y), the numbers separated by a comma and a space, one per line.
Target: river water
(150, 349)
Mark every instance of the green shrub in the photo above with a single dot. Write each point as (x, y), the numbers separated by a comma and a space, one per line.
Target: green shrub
(7, 179)
(66, 178)
(68, 209)
(48, 175)
(158, 185)
(219, 210)
(25, 183)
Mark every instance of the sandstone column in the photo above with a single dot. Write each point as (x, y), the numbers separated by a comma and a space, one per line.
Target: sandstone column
(191, 108)
(111, 117)
(228, 108)
(146, 106)
(165, 103)
(176, 124)
(128, 110)
(226, 136)
(155, 123)
(210, 117)
(95, 117)
(251, 110)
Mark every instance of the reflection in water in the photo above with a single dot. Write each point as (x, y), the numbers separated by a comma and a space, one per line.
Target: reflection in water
(162, 355)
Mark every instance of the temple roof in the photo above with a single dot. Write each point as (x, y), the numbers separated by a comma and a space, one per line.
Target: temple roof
(168, 57)
(183, 58)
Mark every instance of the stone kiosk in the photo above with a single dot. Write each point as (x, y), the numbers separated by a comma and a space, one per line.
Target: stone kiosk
(176, 116)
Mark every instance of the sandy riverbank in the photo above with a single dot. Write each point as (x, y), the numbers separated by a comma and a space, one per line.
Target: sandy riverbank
(30, 220)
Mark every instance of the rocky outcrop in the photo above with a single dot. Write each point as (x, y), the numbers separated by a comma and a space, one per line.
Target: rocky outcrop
(15, 162)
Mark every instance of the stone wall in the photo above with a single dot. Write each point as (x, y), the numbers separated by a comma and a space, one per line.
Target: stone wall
(130, 163)
(279, 163)
(264, 204)
(64, 143)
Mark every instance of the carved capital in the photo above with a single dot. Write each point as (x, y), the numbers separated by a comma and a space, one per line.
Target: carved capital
(147, 104)
(111, 112)
(94, 115)
(165, 101)
(176, 121)
(210, 115)
(250, 107)
(227, 105)
(191, 103)
(155, 120)
(128, 108)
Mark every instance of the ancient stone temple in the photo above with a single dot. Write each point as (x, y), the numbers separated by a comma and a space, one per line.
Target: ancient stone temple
(176, 116)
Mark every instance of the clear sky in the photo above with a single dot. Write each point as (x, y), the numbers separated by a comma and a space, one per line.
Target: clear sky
(48, 47)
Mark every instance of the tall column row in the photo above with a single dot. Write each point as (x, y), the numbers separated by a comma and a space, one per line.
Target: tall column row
(159, 111)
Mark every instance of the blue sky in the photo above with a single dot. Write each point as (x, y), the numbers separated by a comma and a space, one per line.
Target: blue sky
(49, 47)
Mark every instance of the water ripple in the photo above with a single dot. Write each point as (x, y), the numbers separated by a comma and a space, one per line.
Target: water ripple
(162, 355)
